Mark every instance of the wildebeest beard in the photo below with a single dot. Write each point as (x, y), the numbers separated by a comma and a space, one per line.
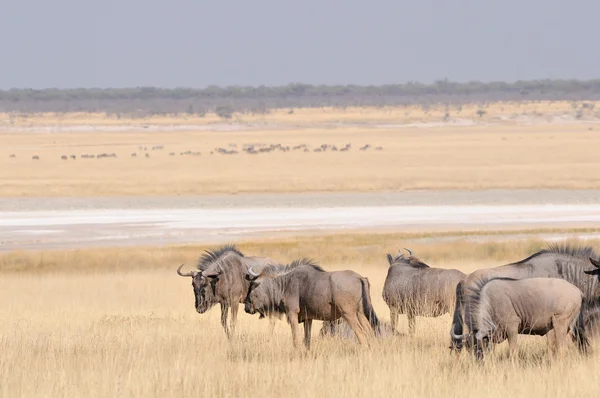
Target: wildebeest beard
(205, 294)
(265, 297)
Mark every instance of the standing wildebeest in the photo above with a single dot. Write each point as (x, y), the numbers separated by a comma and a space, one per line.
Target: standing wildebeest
(563, 262)
(502, 308)
(221, 278)
(306, 292)
(415, 289)
(592, 315)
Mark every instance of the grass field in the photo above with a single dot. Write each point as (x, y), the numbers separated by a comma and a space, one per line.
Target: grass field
(120, 322)
(488, 153)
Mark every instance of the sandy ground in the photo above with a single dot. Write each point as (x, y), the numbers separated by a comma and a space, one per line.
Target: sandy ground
(51, 223)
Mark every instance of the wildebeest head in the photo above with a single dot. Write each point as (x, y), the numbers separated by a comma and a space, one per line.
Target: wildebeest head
(411, 260)
(253, 299)
(594, 271)
(261, 295)
(204, 283)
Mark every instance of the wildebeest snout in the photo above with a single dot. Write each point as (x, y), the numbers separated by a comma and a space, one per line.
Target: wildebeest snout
(249, 308)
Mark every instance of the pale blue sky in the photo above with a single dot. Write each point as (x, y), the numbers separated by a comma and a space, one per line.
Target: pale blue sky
(196, 43)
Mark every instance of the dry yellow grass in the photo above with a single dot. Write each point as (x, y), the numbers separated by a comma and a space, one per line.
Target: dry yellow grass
(443, 157)
(336, 249)
(118, 331)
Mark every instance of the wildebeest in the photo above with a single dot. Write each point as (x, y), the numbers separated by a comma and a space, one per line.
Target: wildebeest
(502, 308)
(221, 278)
(592, 314)
(308, 292)
(415, 289)
(557, 261)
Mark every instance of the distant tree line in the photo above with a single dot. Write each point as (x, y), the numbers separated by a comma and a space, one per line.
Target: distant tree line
(146, 101)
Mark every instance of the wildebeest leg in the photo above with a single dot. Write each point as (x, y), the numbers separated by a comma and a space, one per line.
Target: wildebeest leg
(365, 325)
(394, 318)
(293, 321)
(560, 327)
(512, 334)
(307, 331)
(354, 323)
(224, 311)
(272, 321)
(551, 340)
(411, 322)
(234, 312)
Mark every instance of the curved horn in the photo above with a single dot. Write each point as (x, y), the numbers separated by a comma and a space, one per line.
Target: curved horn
(456, 336)
(191, 273)
(252, 273)
(408, 250)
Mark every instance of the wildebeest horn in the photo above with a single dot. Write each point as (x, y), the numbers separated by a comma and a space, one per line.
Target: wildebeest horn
(408, 250)
(252, 273)
(191, 273)
(456, 336)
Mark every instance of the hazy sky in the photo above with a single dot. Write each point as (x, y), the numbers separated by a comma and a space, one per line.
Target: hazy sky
(196, 43)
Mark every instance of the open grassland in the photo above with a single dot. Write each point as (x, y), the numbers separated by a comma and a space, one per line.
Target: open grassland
(120, 322)
(480, 155)
(337, 249)
(489, 111)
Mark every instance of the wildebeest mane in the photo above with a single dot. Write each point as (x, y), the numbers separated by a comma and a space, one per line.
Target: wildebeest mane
(280, 269)
(583, 252)
(411, 261)
(212, 255)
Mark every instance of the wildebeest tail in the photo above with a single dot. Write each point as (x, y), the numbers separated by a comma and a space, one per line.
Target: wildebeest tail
(457, 320)
(368, 306)
(583, 342)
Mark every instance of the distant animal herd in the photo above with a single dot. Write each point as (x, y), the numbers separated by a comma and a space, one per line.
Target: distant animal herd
(554, 292)
(233, 149)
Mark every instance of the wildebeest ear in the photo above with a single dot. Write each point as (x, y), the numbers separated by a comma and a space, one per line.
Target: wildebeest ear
(592, 272)
(390, 259)
(595, 263)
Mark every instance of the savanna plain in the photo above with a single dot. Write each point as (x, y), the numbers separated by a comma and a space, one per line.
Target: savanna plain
(120, 322)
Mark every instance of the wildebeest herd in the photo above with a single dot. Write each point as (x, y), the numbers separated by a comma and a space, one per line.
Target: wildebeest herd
(247, 148)
(554, 292)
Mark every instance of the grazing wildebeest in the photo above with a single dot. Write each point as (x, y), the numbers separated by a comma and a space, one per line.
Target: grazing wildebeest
(35, 157)
(592, 314)
(64, 157)
(308, 292)
(557, 261)
(415, 289)
(221, 278)
(502, 308)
